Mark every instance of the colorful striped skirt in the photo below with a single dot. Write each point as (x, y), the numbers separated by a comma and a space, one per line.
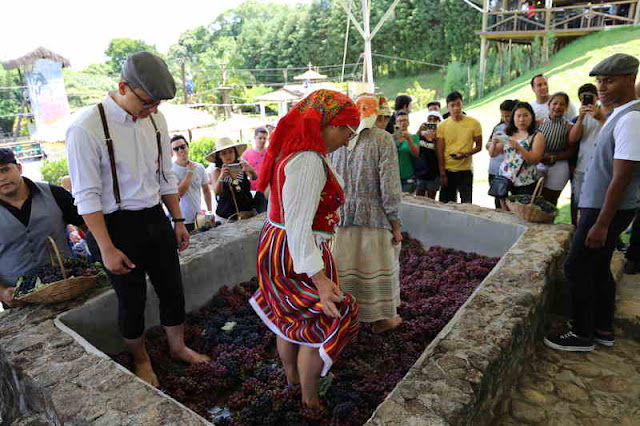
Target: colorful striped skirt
(288, 303)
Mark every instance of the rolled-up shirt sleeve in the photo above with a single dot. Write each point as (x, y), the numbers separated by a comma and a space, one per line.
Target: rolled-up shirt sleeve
(170, 185)
(305, 178)
(390, 187)
(83, 158)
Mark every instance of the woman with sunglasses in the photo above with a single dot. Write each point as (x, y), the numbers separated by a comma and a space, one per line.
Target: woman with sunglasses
(299, 296)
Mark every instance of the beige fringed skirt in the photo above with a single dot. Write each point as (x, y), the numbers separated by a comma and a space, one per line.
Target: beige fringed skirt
(369, 269)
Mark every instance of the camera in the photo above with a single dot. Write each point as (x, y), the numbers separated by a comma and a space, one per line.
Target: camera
(234, 167)
(432, 126)
(588, 99)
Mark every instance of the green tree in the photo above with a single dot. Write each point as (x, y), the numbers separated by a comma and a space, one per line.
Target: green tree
(53, 171)
(120, 48)
(10, 100)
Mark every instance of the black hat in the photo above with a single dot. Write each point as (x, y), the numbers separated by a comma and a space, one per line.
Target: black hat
(149, 72)
(618, 64)
(7, 156)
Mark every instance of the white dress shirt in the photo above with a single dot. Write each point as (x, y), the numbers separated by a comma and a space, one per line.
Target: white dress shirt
(305, 178)
(136, 157)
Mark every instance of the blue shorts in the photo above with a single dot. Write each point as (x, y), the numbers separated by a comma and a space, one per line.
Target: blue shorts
(429, 185)
(408, 185)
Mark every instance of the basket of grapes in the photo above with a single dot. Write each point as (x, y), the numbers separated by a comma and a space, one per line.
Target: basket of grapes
(59, 281)
(533, 208)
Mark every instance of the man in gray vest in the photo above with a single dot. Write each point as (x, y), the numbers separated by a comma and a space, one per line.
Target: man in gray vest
(29, 213)
(608, 201)
(120, 165)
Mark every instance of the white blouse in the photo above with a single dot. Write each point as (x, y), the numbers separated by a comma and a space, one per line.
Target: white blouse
(305, 177)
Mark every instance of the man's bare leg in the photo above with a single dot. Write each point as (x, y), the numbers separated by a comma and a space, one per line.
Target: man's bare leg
(141, 362)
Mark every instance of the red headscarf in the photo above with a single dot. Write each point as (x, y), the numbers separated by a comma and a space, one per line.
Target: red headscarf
(301, 128)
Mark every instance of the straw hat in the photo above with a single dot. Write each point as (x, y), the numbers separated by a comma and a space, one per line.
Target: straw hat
(224, 143)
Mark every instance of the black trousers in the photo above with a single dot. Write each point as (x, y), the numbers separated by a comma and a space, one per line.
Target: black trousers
(260, 202)
(461, 182)
(633, 251)
(592, 287)
(147, 238)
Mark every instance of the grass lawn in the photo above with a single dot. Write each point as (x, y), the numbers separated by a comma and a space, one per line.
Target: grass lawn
(392, 86)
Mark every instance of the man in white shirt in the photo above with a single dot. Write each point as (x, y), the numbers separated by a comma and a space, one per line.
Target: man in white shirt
(584, 133)
(119, 159)
(609, 199)
(540, 87)
(193, 181)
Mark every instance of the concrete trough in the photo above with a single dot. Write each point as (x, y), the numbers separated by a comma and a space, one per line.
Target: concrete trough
(461, 377)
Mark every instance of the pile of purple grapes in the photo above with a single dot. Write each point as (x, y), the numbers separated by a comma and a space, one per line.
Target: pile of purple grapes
(47, 274)
(244, 383)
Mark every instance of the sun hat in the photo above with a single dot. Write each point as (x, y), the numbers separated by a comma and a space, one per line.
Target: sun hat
(224, 143)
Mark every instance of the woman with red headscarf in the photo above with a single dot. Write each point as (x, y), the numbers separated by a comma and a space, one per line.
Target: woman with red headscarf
(299, 296)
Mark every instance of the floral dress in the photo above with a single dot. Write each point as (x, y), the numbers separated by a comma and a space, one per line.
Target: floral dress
(515, 168)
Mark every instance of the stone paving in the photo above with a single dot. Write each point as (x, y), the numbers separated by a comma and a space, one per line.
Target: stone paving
(597, 388)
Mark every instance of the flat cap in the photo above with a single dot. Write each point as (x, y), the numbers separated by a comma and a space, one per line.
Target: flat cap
(618, 64)
(149, 72)
(7, 156)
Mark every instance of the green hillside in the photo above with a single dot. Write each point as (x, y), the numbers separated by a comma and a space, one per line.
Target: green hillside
(567, 70)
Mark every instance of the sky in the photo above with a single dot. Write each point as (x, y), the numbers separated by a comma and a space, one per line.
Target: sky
(80, 30)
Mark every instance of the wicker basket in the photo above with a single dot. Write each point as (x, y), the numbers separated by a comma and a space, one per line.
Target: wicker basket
(530, 212)
(62, 290)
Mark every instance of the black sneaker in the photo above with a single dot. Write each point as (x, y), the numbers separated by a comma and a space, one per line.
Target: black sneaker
(607, 340)
(631, 267)
(569, 342)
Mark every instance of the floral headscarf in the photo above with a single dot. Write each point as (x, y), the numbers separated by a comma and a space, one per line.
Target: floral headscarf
(301, 128)
(370, 107)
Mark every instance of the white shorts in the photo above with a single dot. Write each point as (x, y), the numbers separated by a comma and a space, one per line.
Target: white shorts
(556, 176)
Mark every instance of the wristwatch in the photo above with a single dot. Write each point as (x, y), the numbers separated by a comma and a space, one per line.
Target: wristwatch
(177, 219)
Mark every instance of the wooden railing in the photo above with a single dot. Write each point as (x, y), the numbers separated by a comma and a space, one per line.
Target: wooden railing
(558, 19)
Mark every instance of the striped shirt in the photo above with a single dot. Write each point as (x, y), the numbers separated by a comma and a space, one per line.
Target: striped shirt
(555, 134)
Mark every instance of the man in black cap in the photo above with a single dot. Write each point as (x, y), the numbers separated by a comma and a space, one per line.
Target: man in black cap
(29, 213)
(608, 201)
(120, 165)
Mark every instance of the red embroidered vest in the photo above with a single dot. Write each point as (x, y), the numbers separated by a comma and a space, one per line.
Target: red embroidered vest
(331, 198)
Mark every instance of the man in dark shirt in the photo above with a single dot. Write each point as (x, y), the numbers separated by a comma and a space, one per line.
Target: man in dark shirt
(29, 213)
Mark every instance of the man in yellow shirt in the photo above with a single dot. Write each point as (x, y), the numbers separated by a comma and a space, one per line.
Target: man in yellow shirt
(458, 138)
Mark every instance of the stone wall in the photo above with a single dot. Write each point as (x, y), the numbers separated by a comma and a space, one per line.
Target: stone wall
(468, 370)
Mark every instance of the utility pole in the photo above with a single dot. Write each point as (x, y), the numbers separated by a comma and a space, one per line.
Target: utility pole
(184, 80)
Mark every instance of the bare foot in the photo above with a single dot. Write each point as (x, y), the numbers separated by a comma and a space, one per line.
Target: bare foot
(386, 325)
(144, 371)
(314, 402)
(189, 356)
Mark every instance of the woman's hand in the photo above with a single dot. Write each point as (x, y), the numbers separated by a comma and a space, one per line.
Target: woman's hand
(248, 170)
(225, 172)
(514, 144)
(397, 237)
(329, 294)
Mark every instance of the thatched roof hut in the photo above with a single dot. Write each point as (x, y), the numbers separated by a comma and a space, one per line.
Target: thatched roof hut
(31, 57)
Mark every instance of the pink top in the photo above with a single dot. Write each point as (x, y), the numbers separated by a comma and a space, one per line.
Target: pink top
(254, 158)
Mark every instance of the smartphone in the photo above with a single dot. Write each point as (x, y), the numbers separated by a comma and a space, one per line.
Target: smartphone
(453, 156)
(432, 126)
(587, 99)
(234, 167)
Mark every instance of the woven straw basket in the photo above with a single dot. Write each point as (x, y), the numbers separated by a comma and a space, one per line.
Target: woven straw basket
(530, 212)
(62, 290)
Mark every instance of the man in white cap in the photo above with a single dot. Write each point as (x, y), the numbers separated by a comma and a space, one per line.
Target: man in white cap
(609, 198)
(120, 165)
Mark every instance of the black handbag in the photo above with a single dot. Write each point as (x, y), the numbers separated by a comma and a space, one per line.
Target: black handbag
(499, 187)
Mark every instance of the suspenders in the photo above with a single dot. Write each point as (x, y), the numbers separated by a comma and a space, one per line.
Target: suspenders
(112, 159)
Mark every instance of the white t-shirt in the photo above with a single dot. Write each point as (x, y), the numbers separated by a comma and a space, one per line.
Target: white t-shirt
(542, 111)
(626, 133)
(191, 200)
(587, 145)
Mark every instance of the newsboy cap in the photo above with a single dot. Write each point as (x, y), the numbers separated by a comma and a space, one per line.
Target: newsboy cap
(618, 64)
(149, 72)
(7, 156)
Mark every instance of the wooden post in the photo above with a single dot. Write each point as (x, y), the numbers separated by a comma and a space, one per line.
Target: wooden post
(483, 48)
(509, 66)
(636, 19)
(184, 80)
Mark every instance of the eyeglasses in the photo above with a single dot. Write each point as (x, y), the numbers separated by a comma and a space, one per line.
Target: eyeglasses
(180, 148)
(145, 103)
(353, 131)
